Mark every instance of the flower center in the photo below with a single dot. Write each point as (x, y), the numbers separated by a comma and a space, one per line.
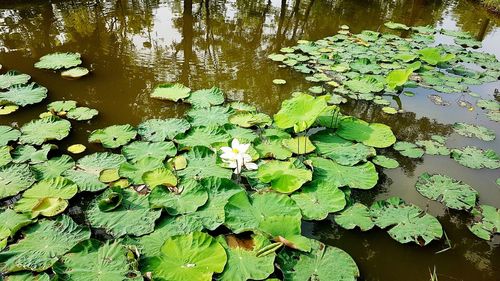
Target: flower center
(235, 150)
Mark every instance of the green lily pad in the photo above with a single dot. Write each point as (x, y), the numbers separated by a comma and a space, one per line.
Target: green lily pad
(12, 78)
(95, 261)
(138, 150)
(61, 106)
(453, 193)
(300, 112)
(493, 115)
(162, 129)
(364, 66)
(408, 149)
(82, 113)
(365, 85)
(59, 60)
(389, 110)
(76, 148)
(370, 134)
(169, 91)
(362, 176)
(486, 222)
(394, 25)
(469, 130)
(322, 263)
(209, 117)
(488, 104)
(186, 198)
(250, 119)
(23, 95)
(273, 149)
(135, 171)
(317, 199)
(385, 162)
(357, 215)
(53, 168)
(159, 176)
(433, 147)
(132, 217)
(279, 81)
(8, 134)
(283, 176)
(202, 164)
(113, 136)
(195, 256)
(29, 154)
(15, 178)
(12, 222)
(75, 72)
(407, 222)
(340, 150)
(204, 136)
(434, 56)
(299, 145)
(241, 134)
(206, 98)
(243, 261)
(242, 107)
(475, 158)
(39, 131)
(43, 244)
(47, 197)
(5, 157)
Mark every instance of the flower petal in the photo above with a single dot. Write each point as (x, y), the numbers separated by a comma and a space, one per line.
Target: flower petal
(235, 143)
(226, 149)
(243, 147)
(251, 166)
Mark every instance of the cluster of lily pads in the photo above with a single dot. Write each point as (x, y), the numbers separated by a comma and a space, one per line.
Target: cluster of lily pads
(16, 91)
(69, 62)
(371, 65)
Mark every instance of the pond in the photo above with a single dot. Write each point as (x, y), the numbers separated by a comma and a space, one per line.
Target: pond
(131, 46)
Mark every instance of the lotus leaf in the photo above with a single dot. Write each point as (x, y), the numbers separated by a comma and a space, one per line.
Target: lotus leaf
(75, 72)
(299, 145)
(493, 115)
(398, 77)
(389, 110)
(405, 57)
(433, 147)
(408, 149)
(169, 91)
(362, 176)
(279, 81)
(76, 148)
(243, 261)
(486, 222)
(138, 150)
(475, 158)
(61, 106)
(340, 150)
(283, 176)
(186, 198)
(159, 176)
(317, 199)
(93, 261)
(59, 60)
(195, 257)
(277, 57)
(250, 119)
(385, 162)
(322, 263)
(364, 65)
(488, 104)
(8, 134)
(274, 149)
(434, 56)
(300, 112)
(109, 175)
(5, 157)
(29, 154)
(15, 178)
(12, 78)
(468, 42)
(242, 107)
(477, 131)
(53, 168)
(11, 223)
(113, 136)
(365, 85)
(453, 193)
(39, 131)
(82, 113)
(88, 169)
(407, 222)
(202, 164)
(242, 134)
(43, 244)
(370, 134)
(206, 98)
(394, 25)
(357, 215)
(204, 136)
(162, 129)
(23, 95)
(132, 217)
(209, 117)
(48, 197)
(135, 171)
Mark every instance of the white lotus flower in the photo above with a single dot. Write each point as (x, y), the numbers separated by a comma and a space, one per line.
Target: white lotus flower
(236, 156)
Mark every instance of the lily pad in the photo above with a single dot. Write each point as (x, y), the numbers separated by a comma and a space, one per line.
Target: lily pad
(15, 178)
(61, 106)
(59, 60)
(29, 154)
(132, 217)
(395, 25)
(12, 78)
(365, 85)
(12, 222)
(434, 56)
(299, 145)
(370, 134)
(362, 176)
(283, 176)
(407, 222)
(186, 198)
(486, 222)
(5, 157)
(23, 95)
(453, 193)
(8, 134)
(195, 256)
(209, 117)
(206, 98)
(159, 176)
(138, 150)
(488, 104)
(202, 164)
(357, 215)
(76, 148)
(317, 199)
(340, 150)
(43, 244)
(204, 136)
(469, 130)
(250, 119)
(46, 129)
(162, 129)
(475, 158)
(135, 171)
(82, 113)
(300, 112)
(408, 149)
(113, 136)
(279, 81)
(433, 147)
(385, 162)
(169, 91)
(75, 72)
(273, 149)
(53, 168)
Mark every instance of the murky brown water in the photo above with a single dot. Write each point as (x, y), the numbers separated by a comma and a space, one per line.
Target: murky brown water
(133, 45)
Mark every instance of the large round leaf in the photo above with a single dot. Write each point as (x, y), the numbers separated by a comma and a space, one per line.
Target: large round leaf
(138, 150)
(273, 149)
(195, 257)
(407, 223)
(374, 134)
(113, 136)
(300, 112)
(318, 198)
(206, 98)
(250, 119)
(475, 158)
(43, 244)
(162, 129)
(365, 85)
(186, 198)
(431, 147)
(299, 145)
(202, 136)
(12, 78)
(30, 154)
(39, 131)
(453, 193)
(159, 176)
(23, 95)
(408, 149)
(322, 263)
(209, 117)
(133, 216)
(11, 223)
(362, 176)
(355, 215)
(385, 162)
(283, 176)
(486, 222)
(8, 134)
(477, 131)
(59, 60)
(340, 150)
(168, 91)
(53, 167)
(15, 178)
(82, 113)
(135, 171)
(202, 164)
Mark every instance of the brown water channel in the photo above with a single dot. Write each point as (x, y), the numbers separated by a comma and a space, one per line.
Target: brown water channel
(132, 45)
